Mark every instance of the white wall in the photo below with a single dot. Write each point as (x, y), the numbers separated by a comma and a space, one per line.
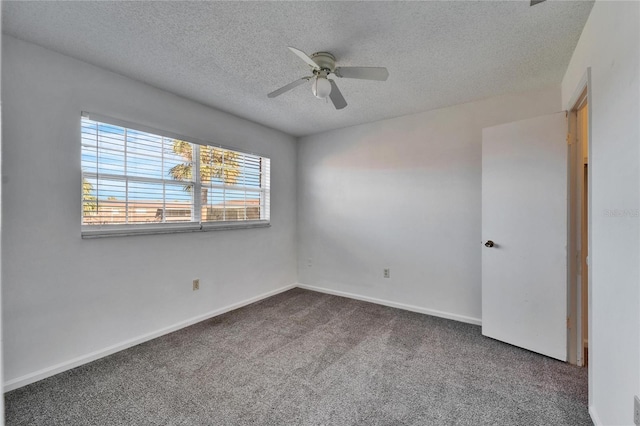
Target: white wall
(610, 45)
(64, 297)
(403, 193)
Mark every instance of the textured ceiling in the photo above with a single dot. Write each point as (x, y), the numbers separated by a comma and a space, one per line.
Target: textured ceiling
(229, 55)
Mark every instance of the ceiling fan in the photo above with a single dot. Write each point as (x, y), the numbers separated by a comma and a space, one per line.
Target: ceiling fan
(322, 65)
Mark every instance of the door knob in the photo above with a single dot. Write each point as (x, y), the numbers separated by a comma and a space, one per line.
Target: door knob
(489, 244)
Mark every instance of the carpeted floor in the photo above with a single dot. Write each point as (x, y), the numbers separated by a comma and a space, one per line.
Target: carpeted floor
(306, 358)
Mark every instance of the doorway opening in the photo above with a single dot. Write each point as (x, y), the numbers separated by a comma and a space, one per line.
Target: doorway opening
(579, 237)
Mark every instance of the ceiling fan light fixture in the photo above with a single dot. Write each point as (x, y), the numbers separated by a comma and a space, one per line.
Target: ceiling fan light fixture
(321, 87)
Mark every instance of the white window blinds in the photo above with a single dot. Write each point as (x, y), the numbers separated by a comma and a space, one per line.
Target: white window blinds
(139, 181)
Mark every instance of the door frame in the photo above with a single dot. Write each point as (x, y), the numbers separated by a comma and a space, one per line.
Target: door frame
(581, 94)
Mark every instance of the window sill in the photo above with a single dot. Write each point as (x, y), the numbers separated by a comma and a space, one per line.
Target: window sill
(89, 232)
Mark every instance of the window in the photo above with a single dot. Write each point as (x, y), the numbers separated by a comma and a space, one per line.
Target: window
(137, 180)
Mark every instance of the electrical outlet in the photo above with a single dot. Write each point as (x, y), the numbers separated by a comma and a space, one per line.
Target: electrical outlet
(636, 410)
(196, 284)
(387, 273)
(309, 263)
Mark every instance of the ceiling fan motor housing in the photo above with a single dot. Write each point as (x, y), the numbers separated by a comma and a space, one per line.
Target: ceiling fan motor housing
(325, 60)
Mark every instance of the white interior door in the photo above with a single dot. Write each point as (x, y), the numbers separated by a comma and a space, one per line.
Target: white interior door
(524, 213)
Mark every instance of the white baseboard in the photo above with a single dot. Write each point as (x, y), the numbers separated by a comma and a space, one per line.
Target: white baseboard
(412, 308)
(84, 359)
(594, 416)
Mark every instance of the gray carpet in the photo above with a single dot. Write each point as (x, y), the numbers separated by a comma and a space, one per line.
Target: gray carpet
(305, 358)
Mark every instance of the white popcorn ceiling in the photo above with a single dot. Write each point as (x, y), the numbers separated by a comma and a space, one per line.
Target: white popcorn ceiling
(229, 55)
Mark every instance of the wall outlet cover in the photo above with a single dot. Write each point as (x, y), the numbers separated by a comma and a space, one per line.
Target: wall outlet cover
(636, 410)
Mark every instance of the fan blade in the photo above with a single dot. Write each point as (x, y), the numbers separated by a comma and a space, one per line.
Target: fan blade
(304, 57)
(288, 87)
(336, 96)
(363, 73)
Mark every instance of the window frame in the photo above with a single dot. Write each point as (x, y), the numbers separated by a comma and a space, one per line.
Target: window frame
(113, 230)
